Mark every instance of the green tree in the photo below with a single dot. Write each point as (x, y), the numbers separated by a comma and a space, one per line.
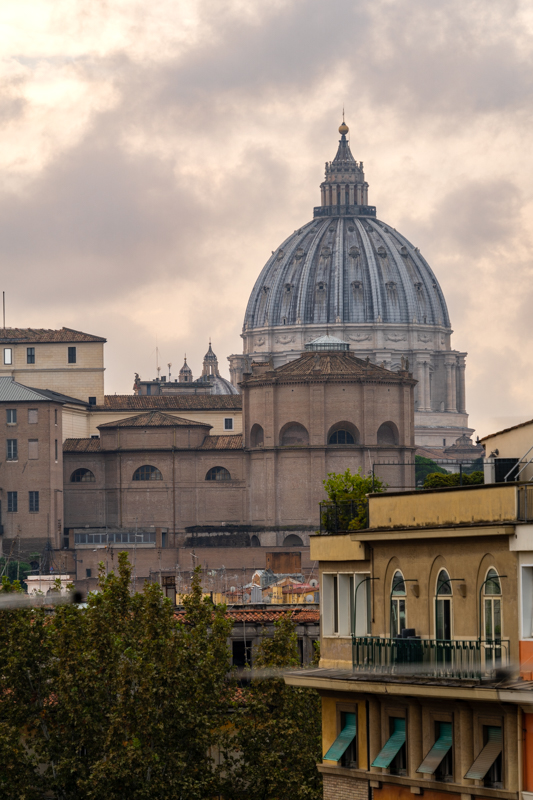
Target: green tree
(437, 481)
(115, 700)
(15, 570)
(347, 492)
(424, 467)
(277, 728)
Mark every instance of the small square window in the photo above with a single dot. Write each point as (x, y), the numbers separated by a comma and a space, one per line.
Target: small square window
(33, 416)
(228, 424)
(92, 401)
(12, 502)
(12, 450)
(33, 448)
(11, 416)
(8, 355)
(71, 355)
(88, 573)
(34, 502)
(30, 355)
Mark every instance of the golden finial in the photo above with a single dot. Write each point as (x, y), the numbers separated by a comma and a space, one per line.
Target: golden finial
(343, 129)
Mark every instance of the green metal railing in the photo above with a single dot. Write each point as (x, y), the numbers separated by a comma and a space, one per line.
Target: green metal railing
(468, 659)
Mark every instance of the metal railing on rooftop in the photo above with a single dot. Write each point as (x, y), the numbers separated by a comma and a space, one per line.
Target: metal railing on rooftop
(336, 517)
(466, 659)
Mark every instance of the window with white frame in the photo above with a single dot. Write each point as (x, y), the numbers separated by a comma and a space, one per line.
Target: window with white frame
(228, 423)
(527, 602)
(345, 599)
(8, 355)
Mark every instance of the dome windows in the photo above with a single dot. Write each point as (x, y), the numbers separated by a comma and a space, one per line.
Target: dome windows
(82, 475)
(294, 435)
(343, 433)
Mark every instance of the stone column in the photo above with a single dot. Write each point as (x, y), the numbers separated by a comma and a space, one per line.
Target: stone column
(323, 195)
(450, 387)
(454, 387)
(461, 388)
(428, 385)
(352, 198)
(421, 388)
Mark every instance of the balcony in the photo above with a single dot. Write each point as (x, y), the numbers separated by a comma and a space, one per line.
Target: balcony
(464, 659)
(342, 517)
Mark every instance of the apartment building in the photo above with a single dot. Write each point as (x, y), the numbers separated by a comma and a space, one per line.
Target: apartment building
(427, 647)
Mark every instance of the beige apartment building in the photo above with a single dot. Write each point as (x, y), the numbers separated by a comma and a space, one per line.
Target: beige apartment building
(426, 647)
(65, 361)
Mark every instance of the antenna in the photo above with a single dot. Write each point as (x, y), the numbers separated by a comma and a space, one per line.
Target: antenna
(169, 365)
(4, 307)
(157, 362)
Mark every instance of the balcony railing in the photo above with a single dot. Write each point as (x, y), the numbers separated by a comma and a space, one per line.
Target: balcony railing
(336, 517)
(468, 659)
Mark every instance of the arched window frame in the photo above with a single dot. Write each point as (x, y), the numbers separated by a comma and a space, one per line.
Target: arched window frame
(395, 433)
(218, 474)
(492, 618)
(443, 606)
(147, 472)
(257, 435)
(82, 475)
(398, 611)
(284, 430)
(347, 427)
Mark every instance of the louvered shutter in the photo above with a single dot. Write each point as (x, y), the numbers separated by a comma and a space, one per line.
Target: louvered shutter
(393, 745)
(343, 740)
(438, 751)
(488, 755)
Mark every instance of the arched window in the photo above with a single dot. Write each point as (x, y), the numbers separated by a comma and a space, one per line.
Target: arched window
(397, 612)
(82, 475)
(443, 607)
(492, 606)
(218, 474)
(147, 473)
(254, 541)
(341, 437)
(388, 434)
(294, 434)
(292, 541)
(257, 436)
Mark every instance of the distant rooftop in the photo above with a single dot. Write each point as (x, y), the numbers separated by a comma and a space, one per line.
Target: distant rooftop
(12, 392)
(175, 402)
(30, 335)
(154, 419)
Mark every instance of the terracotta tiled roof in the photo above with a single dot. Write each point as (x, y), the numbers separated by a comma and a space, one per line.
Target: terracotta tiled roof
(46, 335)
(330, 365)
(224, 442)
(271, 614)
(174, 402)
(154, 419)
(81, 446)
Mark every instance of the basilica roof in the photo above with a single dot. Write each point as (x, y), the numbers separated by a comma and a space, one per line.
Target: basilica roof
(346, 265)
(329, 365)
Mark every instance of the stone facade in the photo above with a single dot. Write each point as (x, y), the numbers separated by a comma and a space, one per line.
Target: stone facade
(352, 274)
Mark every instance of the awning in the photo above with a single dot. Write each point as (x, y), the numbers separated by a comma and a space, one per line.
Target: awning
(343, 740)
(488, 755)
(438, 751)
(392, 747)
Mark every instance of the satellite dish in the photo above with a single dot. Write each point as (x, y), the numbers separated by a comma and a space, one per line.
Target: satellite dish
(314, 582)
(309, 598)
(232, 589)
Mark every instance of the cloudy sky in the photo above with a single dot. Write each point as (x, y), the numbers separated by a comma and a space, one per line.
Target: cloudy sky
(154, 154)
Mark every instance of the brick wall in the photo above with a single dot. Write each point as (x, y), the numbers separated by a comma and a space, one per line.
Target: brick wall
(339, 787)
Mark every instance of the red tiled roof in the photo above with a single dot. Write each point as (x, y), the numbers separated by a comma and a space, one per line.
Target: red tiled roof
(231, 441)
(46, 335)
(154, 419)
(272, 614)
(326, 365)
(81, 446)
(171, 402)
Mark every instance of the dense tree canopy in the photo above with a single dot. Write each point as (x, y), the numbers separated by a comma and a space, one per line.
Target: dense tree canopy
(121, 699)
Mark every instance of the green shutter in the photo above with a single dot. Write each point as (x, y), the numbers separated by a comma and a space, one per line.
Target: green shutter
(343, 740)
(392, 747)
(438, 751)
(488, 755)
